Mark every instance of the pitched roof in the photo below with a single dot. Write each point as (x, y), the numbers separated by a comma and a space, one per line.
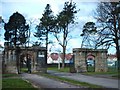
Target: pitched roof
(55, 56)
(112, 56)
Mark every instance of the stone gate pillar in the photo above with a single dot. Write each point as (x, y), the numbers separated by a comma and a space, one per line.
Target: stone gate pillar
(34, 61)
(41, 60)
(10, 61)
(101, 60)
(79, 59)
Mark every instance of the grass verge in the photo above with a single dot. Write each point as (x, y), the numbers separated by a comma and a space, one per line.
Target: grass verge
(10, 75)
(101, 73)
(112, 74)
(66, 69)
(111, 71)
(74, 82)
(13, 81)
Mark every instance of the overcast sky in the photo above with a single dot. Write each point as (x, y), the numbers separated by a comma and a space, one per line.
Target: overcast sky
(33, 9)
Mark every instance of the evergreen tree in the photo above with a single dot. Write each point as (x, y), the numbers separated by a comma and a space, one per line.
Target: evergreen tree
(16, 33)
(45, 26)
(16, 30)
(63, 20)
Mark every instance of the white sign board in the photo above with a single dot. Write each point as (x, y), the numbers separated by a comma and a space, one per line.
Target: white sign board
(40, 55)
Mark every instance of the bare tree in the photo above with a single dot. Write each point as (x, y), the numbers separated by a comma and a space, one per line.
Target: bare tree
(108, 17)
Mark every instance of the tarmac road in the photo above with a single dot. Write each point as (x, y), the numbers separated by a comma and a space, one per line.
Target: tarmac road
(43, 82)
(105, 82)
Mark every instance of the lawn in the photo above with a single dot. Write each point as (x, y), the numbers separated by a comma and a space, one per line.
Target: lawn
(10, 75)
(111, 71)
(66, 69)
(24, 69)
(90, 69)
(15, 83)
(12, 81)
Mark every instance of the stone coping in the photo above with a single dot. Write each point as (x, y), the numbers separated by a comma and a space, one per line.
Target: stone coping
(89, 50)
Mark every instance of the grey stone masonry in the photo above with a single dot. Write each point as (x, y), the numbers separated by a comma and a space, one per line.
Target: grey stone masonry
(13, 58)
(80, 56)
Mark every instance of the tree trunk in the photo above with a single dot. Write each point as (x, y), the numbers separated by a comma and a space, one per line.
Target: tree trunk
(64, 47)
(16, 52)
(17, 59)
(118, 56)
(64, 52)
(47, 40)
(46, 48)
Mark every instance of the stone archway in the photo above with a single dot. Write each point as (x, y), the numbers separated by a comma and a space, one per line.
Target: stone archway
(80, 56)
(90, 62)
(23, 61)
(12, 58)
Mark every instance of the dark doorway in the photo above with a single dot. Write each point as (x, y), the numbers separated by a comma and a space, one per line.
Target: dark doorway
(90, 63)
(25, 63)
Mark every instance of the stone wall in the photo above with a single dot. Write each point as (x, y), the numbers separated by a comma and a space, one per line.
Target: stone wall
(10, 61)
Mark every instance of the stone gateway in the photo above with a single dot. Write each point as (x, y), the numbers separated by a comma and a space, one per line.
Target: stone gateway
(80, 57)
(16, 59)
